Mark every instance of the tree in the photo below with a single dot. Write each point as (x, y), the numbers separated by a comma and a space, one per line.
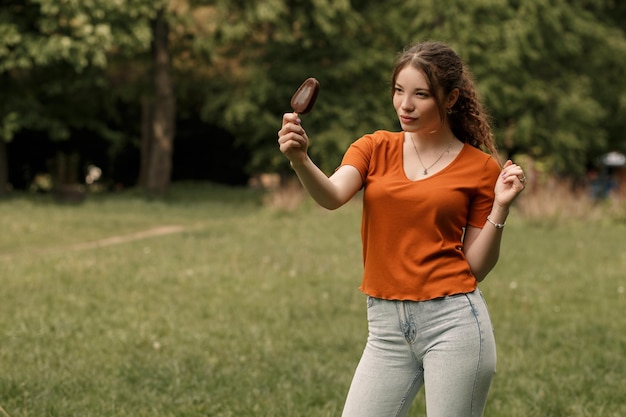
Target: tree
(270, 47)
(550, 71)
(547, 70)
(160, 116)
(32, 38)
(52, 60)
(549, 99)
(52, 42)
(536, 62)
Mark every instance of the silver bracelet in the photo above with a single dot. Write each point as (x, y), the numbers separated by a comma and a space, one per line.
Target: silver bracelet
(497, 225)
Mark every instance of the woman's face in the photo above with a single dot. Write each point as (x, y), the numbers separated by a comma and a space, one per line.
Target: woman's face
(415, 103)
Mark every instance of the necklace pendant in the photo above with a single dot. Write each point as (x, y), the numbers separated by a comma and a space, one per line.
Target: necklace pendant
(425, 172)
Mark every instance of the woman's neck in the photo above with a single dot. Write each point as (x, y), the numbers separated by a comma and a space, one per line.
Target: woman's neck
(427, 141)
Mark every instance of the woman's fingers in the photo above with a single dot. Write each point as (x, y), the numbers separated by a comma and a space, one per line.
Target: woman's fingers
(512, 172)
(292, 136)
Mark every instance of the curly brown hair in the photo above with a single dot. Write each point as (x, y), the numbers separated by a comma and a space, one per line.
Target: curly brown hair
(445, 71)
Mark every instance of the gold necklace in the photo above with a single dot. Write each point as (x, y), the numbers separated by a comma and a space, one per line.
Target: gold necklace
(425, 172)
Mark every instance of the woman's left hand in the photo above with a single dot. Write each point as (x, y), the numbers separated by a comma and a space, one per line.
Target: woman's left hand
(511, 182)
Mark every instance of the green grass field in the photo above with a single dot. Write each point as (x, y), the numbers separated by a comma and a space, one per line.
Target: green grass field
(210, 303)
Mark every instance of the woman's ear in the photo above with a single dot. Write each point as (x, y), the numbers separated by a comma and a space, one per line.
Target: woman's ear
(452, 98)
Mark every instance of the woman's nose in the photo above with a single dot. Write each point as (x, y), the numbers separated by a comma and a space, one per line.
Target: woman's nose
(407, 104)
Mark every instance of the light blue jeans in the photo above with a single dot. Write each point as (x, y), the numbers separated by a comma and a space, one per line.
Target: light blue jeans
(445, 344)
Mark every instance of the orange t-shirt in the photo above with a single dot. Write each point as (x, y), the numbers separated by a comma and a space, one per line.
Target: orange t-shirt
(412, 231)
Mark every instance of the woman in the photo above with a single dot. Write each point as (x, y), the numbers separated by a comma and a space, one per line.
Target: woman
(434, 208)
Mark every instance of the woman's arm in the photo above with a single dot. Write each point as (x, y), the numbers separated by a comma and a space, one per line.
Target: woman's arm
(482, 246)
(329, 192)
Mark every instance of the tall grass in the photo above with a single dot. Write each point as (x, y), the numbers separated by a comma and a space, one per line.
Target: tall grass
(246, 306)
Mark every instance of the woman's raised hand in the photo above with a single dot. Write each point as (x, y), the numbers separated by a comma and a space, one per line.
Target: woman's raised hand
(511, 182)
(292, 138)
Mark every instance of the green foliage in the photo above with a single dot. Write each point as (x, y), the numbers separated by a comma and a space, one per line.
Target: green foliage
(277, 51)
(53, 55)
(549, 71)
(552, 103)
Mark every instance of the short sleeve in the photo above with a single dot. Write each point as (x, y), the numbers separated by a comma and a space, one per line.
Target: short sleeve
(359, 155)
(482, 200)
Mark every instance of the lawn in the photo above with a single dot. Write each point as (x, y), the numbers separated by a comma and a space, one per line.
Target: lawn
(212, 303)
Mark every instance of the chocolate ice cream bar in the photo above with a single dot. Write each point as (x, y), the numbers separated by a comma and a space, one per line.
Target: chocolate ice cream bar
(304, 98)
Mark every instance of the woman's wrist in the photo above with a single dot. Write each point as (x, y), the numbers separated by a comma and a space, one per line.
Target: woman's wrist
(298, 163)
(498, 214)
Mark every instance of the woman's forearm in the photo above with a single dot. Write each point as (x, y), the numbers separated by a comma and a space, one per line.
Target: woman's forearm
(330, 193)
(483, 251)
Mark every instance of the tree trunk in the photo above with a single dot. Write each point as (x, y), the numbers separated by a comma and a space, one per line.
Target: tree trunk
(4, 168)
(163, 112)
(147, 105)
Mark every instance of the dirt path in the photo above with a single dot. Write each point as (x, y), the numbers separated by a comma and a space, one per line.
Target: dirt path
(101, 243)
(116, 240)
